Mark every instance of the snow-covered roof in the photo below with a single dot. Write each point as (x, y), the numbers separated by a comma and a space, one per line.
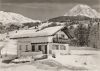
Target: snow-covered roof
(30, 33)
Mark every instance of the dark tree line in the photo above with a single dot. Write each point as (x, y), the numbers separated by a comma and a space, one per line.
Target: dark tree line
(81, 34)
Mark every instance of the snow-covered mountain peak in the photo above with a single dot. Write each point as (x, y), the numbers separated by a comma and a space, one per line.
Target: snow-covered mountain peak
(82, 6)
(9, 17)
(83, 10)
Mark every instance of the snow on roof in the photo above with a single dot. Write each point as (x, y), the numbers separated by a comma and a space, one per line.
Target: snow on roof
(21, 32)
(45, 32)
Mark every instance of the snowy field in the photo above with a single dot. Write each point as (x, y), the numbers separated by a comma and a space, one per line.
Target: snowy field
(90, 59)
(79, 60)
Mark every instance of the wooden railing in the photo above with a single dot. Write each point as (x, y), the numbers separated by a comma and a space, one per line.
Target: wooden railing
(60, 40)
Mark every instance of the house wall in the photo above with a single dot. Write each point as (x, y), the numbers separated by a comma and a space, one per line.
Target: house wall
(36, 47)
(36, 39)
(60, 33)
(25, 44)
(58, 50)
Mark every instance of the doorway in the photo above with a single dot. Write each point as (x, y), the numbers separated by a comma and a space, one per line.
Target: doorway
(45, 48)
(33, 47)
(40, 47)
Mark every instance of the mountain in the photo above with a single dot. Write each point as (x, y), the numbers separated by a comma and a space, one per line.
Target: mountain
(80, 21)
(83, 10)
(68, 18)
(9, 17)
(80, 12)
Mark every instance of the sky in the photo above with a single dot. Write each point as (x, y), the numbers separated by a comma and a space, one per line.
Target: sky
(44, 9)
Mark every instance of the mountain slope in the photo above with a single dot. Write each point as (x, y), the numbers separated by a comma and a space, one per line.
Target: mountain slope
(9, 17)
(77, 15)
(83, 10)
(68, 18)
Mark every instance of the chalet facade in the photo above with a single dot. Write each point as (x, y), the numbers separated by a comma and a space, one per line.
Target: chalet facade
(49, 40)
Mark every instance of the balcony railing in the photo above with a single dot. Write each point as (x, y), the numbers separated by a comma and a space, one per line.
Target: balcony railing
(60, 40)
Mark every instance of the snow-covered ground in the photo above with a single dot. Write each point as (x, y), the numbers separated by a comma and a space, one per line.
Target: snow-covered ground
(88, 60)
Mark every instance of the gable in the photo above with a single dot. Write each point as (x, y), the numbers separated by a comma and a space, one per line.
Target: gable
(61, 34)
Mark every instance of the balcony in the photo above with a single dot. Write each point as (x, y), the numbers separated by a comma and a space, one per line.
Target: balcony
(61, 40)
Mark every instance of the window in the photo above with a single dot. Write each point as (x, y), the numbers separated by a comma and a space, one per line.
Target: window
(62, 36)
(26, 47)
(39, 47)
(55, 47)
(62, 47)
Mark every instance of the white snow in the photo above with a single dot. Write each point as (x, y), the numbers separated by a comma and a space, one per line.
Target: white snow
(78, 58)
(30, 33)
(44, 25)
(10, 17)
(10, 47)
(83, 10)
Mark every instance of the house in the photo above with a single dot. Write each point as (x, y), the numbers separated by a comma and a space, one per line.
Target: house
(49, 40)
